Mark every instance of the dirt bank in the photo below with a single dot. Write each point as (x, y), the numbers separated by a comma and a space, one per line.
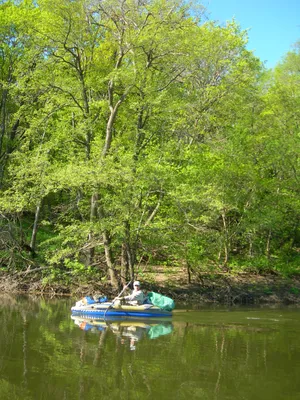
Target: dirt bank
(210, 288)
(240, 289)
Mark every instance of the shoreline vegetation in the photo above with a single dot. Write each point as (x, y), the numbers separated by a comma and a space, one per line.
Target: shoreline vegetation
(142, 133)
(220, 288)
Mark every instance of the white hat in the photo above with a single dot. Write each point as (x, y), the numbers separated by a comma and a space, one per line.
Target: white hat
(136, 283)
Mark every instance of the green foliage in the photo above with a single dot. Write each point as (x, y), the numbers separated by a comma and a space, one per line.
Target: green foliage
(143, 134)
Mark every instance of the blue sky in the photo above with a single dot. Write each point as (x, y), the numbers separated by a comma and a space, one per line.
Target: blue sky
(274, 26)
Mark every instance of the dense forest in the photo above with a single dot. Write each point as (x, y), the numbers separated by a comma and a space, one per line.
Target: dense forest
(138, 132)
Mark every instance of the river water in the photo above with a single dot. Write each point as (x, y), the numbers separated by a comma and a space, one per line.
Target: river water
(210, 353)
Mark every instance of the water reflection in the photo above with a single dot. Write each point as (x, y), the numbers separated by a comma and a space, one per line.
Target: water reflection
(209, 354)
(127, 331)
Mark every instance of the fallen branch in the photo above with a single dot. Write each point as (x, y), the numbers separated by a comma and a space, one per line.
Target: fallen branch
(33, 270)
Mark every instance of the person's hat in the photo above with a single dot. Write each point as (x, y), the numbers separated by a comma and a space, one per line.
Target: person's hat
(136, 283)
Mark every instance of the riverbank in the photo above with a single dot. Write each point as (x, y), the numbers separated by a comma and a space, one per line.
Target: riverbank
(221, 288)
(240, 289)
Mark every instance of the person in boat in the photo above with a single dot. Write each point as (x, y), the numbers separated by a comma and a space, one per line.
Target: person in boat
(136, 297)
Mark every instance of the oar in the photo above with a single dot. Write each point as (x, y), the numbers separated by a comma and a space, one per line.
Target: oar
(113, 302)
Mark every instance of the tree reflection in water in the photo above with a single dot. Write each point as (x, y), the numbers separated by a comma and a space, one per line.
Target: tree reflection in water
(215, 354)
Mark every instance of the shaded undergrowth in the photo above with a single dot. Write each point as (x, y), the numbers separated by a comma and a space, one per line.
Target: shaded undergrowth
(212, 288)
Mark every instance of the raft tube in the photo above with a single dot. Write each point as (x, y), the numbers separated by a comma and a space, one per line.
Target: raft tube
(98, 310)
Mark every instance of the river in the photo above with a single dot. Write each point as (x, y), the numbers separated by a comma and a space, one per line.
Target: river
(237, 353)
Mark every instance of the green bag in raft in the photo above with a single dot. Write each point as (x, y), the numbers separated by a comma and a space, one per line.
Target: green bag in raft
(163, 302)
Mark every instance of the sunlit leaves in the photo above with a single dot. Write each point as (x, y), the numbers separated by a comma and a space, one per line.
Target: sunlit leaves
(186, 144)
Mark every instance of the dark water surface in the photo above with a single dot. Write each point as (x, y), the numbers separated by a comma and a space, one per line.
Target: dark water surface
(221, 353)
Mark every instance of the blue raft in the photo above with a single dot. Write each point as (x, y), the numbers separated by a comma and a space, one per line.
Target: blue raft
(108, 309)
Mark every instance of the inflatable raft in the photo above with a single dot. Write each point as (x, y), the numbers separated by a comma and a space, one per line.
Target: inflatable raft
(109, 309)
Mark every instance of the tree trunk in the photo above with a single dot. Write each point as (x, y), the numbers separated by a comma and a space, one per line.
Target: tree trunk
(226, 251)
(188, 271)
(250, 247)
(35, 226)
(93, 216)
(130, 252)
(3, 118)
(124, 265)
(107, 144)
(109, 260)
(268, 245)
